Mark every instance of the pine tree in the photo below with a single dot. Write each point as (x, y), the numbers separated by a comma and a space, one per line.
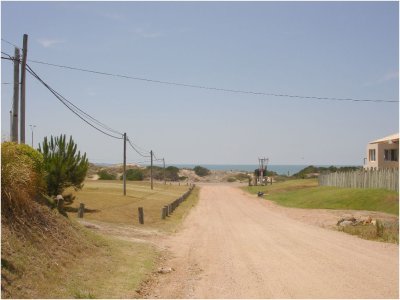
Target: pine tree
(65, 167)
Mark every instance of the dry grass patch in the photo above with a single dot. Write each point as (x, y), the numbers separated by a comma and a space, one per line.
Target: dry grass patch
(382, 231)
(104, 202)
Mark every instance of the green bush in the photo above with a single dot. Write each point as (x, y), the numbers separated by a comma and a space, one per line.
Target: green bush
(201, 171)
(22, 173)
(231, 179)
(64, 165)
(104, 175)
(134, 175)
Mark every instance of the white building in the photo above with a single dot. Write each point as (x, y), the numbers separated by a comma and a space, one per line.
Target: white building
(383, 153)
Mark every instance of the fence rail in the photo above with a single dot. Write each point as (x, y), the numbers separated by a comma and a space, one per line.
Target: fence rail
(366, 179)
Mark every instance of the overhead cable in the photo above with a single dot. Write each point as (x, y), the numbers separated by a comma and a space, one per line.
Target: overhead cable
(212, 88)
(77, 111)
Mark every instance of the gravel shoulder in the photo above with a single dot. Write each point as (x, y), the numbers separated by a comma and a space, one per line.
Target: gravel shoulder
(234, 245)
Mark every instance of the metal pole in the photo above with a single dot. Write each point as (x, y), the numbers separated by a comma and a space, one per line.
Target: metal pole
(16, 97)
(124, 175)
(23, 76)
(151, 169)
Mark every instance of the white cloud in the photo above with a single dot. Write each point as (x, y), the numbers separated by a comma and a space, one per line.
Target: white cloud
(47, 43)
(386, 77)
(390, 76)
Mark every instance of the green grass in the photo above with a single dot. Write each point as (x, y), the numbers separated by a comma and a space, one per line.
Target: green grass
(306, 193)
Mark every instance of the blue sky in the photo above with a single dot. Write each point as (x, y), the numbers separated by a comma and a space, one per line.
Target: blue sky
(326, 49)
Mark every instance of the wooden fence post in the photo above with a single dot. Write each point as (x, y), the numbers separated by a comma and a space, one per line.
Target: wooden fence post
(81, 209)
(163, 212)
(141, 215)
(60, 203)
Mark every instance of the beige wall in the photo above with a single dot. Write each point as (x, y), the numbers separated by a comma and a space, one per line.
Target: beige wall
(379, 162)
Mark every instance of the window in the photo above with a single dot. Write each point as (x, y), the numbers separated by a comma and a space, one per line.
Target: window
(391, 155)
(372, 155)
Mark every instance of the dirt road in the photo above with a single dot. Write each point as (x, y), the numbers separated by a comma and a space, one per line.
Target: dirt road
(232, 245)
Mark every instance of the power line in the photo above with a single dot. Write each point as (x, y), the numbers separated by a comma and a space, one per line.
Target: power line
(136, 150)
(77, 111)
(212, 88)
(10, 43)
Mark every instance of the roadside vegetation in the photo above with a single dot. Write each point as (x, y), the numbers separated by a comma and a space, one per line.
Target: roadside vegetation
(48, 254)
(305, 193)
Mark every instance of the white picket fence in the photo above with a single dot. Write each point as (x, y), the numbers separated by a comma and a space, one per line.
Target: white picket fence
(366, 179)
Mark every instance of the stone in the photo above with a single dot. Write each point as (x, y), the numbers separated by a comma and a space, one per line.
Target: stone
(165, 270)
(345, 223)
(368, 220)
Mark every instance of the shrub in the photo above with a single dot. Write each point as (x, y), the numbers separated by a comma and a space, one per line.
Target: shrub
(134, 175)
(171, 173)
(65, 166)
(201, 171)
(231, 179)
(21, 178)
(104, 175)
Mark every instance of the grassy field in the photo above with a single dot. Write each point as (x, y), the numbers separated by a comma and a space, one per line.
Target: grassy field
(82, 265)
(70, 261)
(305, 193)
(104, 202)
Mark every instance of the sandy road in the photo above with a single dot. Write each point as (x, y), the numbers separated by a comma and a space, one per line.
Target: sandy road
(232, 245)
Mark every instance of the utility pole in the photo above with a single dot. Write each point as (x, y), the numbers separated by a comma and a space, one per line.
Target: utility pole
(151, 169)
(164, 170)
(11, 125)
(23, 76)
(124, 175)
(32, 127)
(15, 98)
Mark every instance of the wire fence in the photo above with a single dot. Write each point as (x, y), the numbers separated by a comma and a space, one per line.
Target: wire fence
(365, 179)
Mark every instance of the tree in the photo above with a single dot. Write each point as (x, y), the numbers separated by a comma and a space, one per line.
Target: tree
(104, 175)
(65, 166)
(134, 175)
(201, 171)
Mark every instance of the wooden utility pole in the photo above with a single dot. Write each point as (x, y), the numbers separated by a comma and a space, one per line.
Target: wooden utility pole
(151, 169)
(124, 175)
(165, 182)
(23, 76)
(11, 125)
(15, 98)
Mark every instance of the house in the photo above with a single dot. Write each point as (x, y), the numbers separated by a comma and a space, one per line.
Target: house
(383, 153)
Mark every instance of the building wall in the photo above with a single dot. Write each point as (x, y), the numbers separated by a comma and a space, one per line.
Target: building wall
(380, 162)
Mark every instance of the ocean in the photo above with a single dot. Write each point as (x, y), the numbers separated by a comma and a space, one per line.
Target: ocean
(280, 169)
